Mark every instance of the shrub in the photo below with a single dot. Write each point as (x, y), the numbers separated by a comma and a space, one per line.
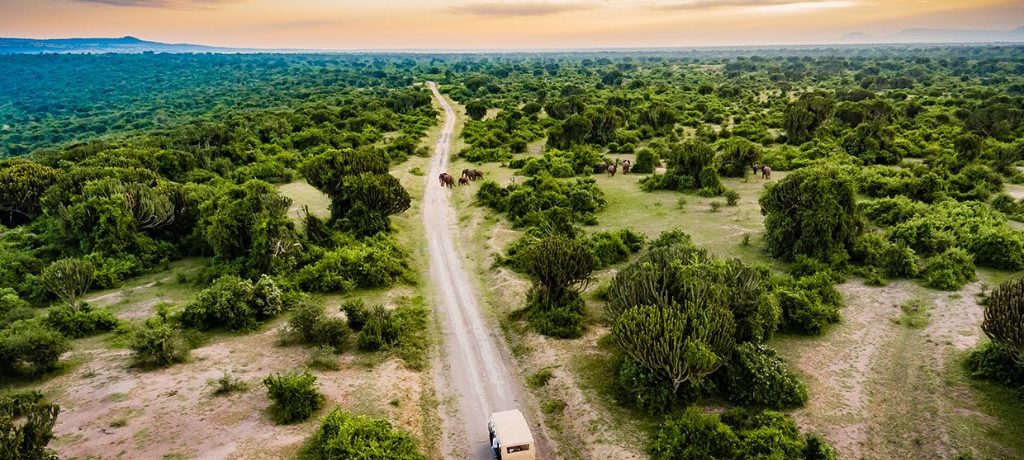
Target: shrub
(731, 197)
(644, 389)
(411, 320)
(997, 363)
(804, 312)
(811, 212)
(368, 263)
(323, 357)
(81, 322)
(294, 396)
(1000, 248)
(357, 437)
(693, 435)
(564, 321)
(539, 378)
(28, 348)
(68, 279)
(818, 449)
(26, 426)
(379, 332)
(158, 343)
(314, 327)
(356, 313)
(646, 161)
(228, 384)
(949, 271)
(764, 433)
(757, 375)
(683, 343)
(1004, 317)
(892, 211)
(235, 304)
(609, 248)
(873, 250)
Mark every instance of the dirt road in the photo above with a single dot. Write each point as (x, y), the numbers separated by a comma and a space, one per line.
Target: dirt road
(477, 377)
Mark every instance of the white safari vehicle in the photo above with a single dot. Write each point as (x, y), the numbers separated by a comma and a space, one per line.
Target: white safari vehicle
(510, 436)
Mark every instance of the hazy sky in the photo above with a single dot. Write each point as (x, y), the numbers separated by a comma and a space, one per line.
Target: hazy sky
(488, 24)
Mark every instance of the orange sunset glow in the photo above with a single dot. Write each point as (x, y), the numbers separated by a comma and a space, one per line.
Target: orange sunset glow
(492, 24)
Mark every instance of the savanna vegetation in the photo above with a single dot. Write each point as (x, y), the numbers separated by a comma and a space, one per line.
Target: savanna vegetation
(896, 166)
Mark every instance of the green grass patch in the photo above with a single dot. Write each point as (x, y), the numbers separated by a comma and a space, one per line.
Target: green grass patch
(915, 314)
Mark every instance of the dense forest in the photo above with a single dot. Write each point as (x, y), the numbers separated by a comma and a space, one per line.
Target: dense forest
(892, 164)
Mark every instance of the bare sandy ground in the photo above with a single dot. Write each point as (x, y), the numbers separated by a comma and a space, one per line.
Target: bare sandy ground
(477, 376)
(112, 411)
(879, 389)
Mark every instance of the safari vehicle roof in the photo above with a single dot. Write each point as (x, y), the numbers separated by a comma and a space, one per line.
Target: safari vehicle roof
(511, 428)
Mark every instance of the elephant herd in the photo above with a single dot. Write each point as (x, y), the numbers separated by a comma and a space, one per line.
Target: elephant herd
(607, 166)
(447, 180)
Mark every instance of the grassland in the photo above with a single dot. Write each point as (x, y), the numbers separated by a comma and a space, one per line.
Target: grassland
(879, 389)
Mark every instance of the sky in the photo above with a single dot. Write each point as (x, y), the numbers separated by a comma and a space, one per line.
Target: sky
(495, 24)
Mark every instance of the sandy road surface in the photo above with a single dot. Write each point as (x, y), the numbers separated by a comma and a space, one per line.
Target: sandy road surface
(477, 374)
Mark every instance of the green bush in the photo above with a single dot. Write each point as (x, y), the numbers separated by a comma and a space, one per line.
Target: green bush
(646, 161)
(235, 304)
(991, 361)
(13, 308)
(294, 395)
(342, 435)
(1000, 248)
(758, 376)
(379, 332)
(805, 312)
(26, 426)
(227, 384)
(812, 212)
(892, 211)
(313, 327)
(873, 250)
(158, 343)
(368, 263)
(81, 322)
(28, 348)
(563, 320)
(643, 389)
(610, 248)
(949, 271)
(356, 313)
(1004, 310)
(731, 197)
(693, 436)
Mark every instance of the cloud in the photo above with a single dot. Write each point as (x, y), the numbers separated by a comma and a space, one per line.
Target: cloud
(158, 3)
(519, 9)
(709, 4)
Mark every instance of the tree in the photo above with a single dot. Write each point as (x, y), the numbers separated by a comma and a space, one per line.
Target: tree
(684, 343)
(26, 426)
(558, 266)
(646, 161)
(738, 154)
(812, 212)
(362, 192)
(22, 184)
(803, 117)
(1004, 317)
(689, 159)
(476, 109)
(68, 279)
(250, 222)
(374, 198)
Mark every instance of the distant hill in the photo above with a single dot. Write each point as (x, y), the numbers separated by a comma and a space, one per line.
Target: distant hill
(102, 45)
(939, 36)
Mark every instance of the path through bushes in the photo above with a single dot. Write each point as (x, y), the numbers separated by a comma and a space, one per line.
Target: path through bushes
(477, 372)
